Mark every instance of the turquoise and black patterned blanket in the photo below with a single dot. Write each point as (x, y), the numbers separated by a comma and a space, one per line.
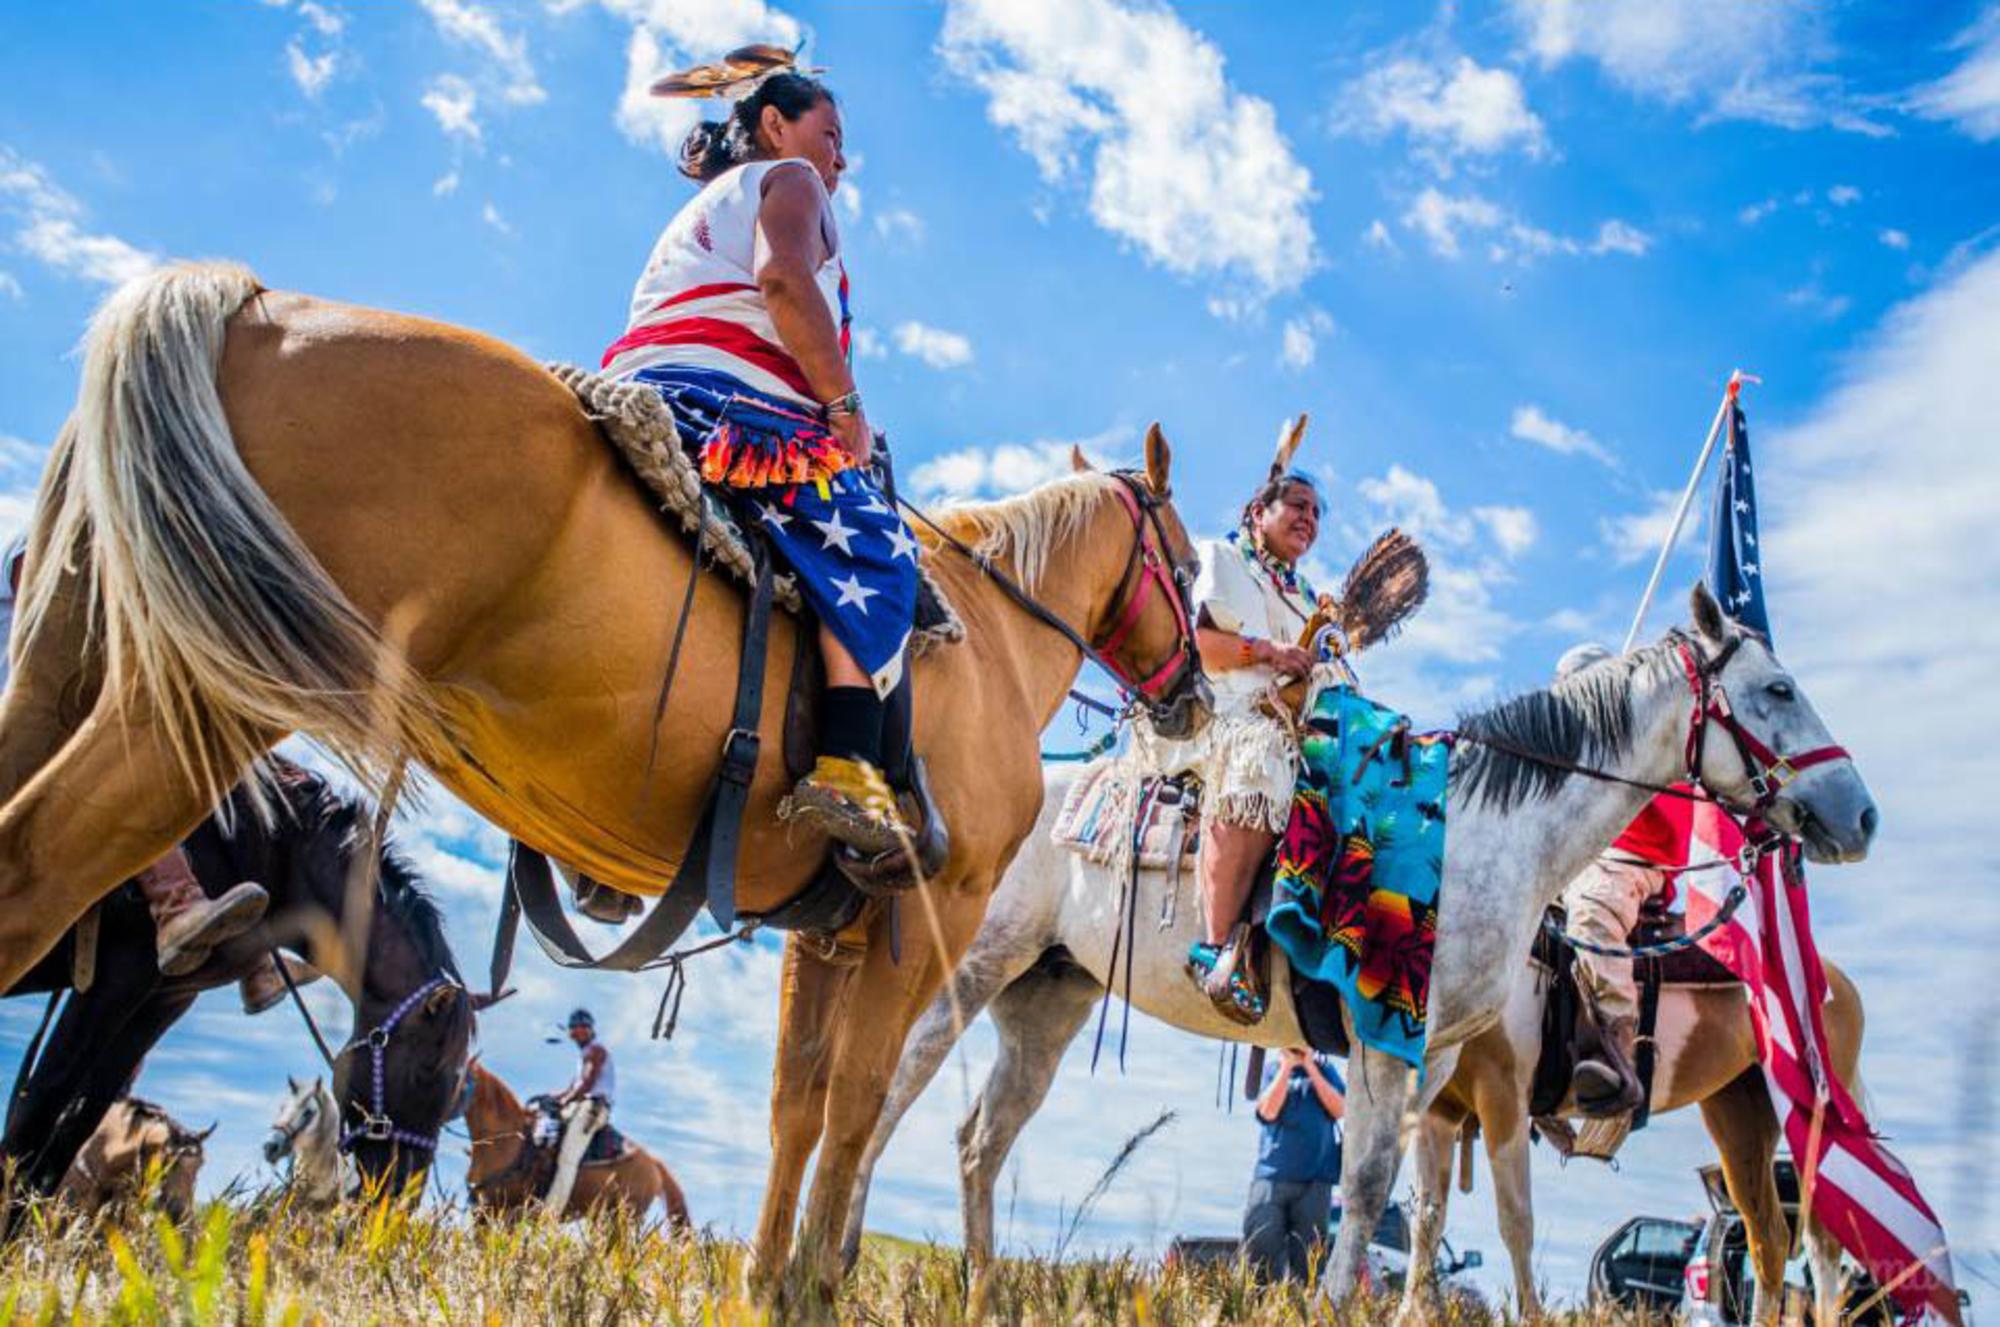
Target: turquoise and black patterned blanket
(1359, 865)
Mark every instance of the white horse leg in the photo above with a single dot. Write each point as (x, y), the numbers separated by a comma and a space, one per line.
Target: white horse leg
(1514, 1202)
(996, 958)
(1829, 1278)
(1378, 1089)
(1036, 1016)
(1430, 1191)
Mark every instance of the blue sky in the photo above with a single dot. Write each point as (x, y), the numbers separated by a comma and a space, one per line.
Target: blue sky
(1505, 254)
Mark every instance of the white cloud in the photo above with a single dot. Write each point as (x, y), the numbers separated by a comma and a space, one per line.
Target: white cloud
(1817, 301)
(445, 185)
(868, 344)
(1893, 238)
(310, 72)
(1843, 195)
(1192, 172)
(1756, 212)
(49, 227)
(899, 224)
(934, 346)
(1513, 528)
(326, 22)
(1300, 339)
(1446, 221)
(1635, 535)
(1014, 467)
(1449, 110)
(1969, 96)
(1377, 236)
(1532, 424)
(1731, 61)
(455, 103)
(9, 286)
(491, 216)
(506, 54)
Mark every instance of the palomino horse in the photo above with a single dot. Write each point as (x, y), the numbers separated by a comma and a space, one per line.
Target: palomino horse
(270, 513)
(137, 1151)
(306, 857)
(508, 1172)
(307, 1130)
(1706, 1055)
(1521, 824)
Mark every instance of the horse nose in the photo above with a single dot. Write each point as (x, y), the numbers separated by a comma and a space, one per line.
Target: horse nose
(1870, 818)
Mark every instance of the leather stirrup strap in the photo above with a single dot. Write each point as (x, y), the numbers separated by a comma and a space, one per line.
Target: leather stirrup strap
(708, 870)
(1647, 970)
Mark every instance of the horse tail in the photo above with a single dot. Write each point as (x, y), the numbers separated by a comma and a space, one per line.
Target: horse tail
(200, 597)
(671, 1196)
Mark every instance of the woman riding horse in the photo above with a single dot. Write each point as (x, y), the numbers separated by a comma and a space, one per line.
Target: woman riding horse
(740, 321)
(1251, 602)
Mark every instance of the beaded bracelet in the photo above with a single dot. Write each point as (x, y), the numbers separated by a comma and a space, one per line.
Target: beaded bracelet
(1246, 649)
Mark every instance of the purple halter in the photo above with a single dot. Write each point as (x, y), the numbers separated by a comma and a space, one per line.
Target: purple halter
(376, 1126)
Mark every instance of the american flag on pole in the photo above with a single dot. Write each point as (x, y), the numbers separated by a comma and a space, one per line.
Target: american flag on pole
(1854, 1187)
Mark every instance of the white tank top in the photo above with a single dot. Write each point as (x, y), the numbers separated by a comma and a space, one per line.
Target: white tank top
(607, 1075)
(697, 304)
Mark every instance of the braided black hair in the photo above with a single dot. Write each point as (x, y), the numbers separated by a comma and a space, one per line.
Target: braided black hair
(714, 146)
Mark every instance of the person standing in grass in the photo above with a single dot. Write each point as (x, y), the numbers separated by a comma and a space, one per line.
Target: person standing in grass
(1298, 1165)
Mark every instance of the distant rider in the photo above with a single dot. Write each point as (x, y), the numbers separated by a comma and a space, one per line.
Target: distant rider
(581, 1109)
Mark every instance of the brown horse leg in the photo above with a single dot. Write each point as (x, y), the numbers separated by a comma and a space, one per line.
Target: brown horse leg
(1745, 1130)
(111, 803)
(1437, 1142)
(812, 993)
(885, 1001)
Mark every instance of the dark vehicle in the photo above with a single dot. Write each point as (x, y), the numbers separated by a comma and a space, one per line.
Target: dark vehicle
(1388, 1255)
(1643, 1264)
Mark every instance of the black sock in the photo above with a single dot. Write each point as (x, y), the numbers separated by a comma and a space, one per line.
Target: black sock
(850, 724)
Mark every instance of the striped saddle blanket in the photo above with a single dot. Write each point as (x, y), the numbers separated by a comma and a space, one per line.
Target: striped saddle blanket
(1111, 806)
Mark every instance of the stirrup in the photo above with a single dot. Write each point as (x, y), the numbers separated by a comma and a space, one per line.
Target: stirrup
(848, 800)
(1234, 996)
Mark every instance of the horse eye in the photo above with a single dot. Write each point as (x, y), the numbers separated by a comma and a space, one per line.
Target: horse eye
(1780, 691)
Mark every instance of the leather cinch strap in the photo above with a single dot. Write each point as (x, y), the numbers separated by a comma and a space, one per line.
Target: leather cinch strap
(708, 870)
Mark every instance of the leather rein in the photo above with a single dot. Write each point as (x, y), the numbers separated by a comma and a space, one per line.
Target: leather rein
(1147, 566)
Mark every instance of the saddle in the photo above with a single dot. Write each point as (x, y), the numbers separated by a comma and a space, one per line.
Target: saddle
(1151, 823)
(1569, 1020)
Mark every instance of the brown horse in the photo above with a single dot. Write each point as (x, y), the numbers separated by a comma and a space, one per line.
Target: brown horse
(508, 1172)
(1707, 1056)
(271, 513)
(137, 1149)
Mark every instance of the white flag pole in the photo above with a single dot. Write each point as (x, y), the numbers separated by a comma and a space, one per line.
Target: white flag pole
(1736, 380)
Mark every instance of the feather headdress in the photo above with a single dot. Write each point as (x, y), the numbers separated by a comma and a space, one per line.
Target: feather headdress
(736, 74)
(1290, 434)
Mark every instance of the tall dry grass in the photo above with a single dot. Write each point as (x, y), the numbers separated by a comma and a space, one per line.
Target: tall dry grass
(259, 1261)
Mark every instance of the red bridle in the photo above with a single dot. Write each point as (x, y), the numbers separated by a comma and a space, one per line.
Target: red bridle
(1768, 772)
(1152, 567)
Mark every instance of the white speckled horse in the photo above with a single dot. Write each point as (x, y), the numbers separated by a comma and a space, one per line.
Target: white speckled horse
(1522, 824)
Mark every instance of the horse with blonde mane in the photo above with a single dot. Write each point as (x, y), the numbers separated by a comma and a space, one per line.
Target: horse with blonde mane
(271, 513)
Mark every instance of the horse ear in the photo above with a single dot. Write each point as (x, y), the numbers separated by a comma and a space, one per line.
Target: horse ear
(1707, 613)
(1159, 459)
(1078, 461)
(441, 999)
(316, 1082)
(292, 1084)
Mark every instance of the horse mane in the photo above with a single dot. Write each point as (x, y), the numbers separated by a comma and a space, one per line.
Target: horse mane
(1032, 525)
(1584, 719)
(484, 1080)
(322, 810)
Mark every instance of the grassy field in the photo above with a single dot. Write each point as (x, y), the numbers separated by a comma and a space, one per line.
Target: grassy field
(257, 1262)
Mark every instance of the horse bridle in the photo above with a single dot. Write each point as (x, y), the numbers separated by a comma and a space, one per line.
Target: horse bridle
(376, 1126)
(1146, 565)
(1768, 772)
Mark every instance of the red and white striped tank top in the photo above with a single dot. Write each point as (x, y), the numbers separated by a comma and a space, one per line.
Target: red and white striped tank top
(697, 304)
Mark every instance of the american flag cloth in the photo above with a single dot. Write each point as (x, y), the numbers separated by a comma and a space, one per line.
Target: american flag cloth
(1857, 1189)
(855, 559)
(1735, 562)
